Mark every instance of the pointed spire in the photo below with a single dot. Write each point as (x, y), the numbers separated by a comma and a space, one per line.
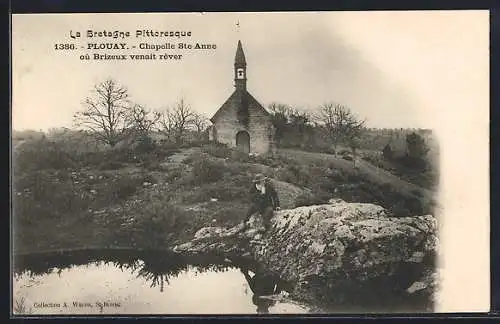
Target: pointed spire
(240, 56)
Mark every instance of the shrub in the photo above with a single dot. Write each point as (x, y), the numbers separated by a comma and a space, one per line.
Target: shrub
(173, 173)
(325, 184)
(285, 175)
(158, 223)
(400, 210)
(265, 159)
(206, 171)
(239, 156)
(308, 199)
(415, 163)
(152, 165)
(388, 152)
(110, 165)
(222, 191)
(217, 150)
(417, 146)
(125, 187)
(230, 213)
(337, 174)
(237, 168)
(40, 195)
(39, 155)
(144, 144)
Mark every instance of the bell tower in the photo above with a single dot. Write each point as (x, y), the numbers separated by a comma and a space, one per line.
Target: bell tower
(240, 68)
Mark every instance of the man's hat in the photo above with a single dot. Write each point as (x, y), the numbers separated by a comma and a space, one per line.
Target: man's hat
(259, 177)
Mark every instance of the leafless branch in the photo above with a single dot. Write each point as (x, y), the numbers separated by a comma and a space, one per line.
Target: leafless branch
(106, 113)
(340, 123)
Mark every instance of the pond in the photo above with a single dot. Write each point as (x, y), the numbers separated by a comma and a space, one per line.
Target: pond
(131, 282)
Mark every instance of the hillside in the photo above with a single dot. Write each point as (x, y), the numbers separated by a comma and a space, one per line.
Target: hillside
(144, 199)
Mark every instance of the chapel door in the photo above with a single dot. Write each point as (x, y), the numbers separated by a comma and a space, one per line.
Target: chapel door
(243, 141)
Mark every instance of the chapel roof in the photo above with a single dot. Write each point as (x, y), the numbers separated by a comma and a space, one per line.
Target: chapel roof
(244, 98)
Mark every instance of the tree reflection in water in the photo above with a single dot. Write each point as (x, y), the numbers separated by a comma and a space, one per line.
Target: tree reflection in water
(156, 267)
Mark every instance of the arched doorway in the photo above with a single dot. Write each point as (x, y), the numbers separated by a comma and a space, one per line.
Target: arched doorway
(243, 141)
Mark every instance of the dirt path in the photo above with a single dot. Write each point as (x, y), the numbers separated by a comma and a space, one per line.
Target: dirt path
(179, 157)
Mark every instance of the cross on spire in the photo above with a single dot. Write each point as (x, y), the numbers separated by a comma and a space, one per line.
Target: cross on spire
(238, 27)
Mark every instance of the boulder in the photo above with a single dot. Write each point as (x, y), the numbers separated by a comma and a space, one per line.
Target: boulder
(338, 254)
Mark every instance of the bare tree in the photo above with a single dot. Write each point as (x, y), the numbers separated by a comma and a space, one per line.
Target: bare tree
(200, 122)
(144, 120)
(106, 113)
(341, 124)
(167, 123)
(177, 120)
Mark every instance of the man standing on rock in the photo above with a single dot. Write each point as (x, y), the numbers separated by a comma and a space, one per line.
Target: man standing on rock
(264, 199)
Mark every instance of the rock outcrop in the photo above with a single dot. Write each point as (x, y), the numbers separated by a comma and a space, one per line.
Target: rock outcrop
(343, 254)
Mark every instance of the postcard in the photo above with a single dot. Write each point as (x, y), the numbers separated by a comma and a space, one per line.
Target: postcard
(250, 163)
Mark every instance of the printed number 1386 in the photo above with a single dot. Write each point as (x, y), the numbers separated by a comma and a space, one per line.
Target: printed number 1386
(65, 46)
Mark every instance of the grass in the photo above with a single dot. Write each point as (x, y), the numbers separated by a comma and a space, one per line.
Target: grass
(20, 307)
(125, 198)
(426, 178)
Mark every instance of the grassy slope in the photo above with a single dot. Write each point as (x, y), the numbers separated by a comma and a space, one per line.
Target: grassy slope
(364, 169)
(166, 200)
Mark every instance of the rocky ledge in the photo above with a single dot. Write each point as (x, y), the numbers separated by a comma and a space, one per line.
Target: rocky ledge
(346, 256)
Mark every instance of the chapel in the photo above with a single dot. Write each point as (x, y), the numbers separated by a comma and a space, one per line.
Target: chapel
(242, 122)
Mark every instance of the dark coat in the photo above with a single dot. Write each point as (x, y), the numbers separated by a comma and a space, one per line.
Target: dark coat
(263, 284)
(269, 199)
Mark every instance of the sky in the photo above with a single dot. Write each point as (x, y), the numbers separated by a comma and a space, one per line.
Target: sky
(394, 69)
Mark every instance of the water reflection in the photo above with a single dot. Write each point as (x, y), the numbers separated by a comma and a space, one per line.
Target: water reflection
(263, 285)
(134, 282)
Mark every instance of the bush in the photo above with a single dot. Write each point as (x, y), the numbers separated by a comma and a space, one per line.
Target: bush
(125, 187)
(300, 176)
(220, 191)
(40, 195)
(237, 168)
(400, 210)
(174, 173)
(325, 184)
(388, 152)
(285, 175)
(415, 163)
(309, 200)
(206, 171)
(217, 150)
(336, 174)
(110, 165)
(239, 156)
(158, 223)
(39, 155)
(144, 144)
(265, 159)
(417, 146)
